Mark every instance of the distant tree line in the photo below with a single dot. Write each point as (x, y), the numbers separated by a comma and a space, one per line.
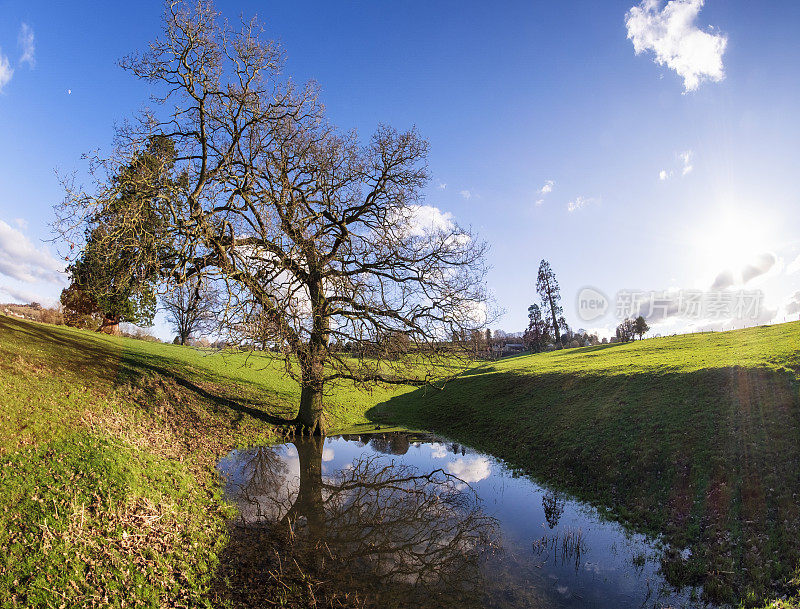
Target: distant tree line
(630, 328)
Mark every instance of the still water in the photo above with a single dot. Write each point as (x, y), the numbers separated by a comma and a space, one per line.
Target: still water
(420, 521)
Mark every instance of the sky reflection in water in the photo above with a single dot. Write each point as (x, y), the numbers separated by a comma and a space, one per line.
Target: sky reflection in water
(438, 524)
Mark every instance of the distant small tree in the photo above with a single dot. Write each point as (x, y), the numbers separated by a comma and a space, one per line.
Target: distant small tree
(190, 309)
(640, 327)
(536, 336)
(566, 331)
(547, 287)
(626, 330)
(478, 341)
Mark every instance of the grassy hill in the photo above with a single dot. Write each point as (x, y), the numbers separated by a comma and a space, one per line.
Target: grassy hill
(107, 454)
(696, 437)
(107, 448)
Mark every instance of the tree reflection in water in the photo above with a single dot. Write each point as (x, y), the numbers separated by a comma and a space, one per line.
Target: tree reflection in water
(377, 531)
(553, 504)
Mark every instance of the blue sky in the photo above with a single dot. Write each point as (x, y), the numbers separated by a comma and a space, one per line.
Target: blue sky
(512, 97)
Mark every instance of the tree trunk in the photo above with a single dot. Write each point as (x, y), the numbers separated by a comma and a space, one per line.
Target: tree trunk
(110, 325)
(309, 417)
(553, 313)
(555, 321)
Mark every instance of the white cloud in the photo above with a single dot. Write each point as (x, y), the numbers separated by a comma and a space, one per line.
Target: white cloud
(25, 296)
(793, 266)
(21, 222)
(27, 45)
(544, 190)
(442, 185)
(327, 454)
(6, 71)
(757, 266)
(20, 259)
(760, 265)
(723, 280)
(470, 470)
(466, 194)
(765, 316)
(579, 203)
(686, 160)
(438, 451)
(425, 219)
(793, 306)
(675, 40)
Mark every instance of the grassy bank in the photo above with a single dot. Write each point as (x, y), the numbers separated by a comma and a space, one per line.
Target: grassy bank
(696, 436)
(107, 489)
(108, 445)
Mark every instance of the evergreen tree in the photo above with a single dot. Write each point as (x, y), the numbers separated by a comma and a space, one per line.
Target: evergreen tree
(119, 264)
(547, 287)
(640, 326)
(536, 336)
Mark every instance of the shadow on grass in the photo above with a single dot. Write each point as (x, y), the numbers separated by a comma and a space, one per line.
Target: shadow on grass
(110, 361)
(707, 458)
(555, 353)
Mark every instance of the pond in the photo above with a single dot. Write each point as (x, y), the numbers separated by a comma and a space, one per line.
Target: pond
(407, 519)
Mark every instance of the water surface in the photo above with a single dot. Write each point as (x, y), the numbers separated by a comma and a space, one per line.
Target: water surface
(414, 520)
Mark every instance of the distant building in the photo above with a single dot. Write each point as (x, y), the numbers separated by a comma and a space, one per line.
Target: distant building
(508, 348)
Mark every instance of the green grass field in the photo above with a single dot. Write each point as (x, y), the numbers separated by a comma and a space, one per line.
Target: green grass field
(108, 448)
(696, 437)
(108, 493)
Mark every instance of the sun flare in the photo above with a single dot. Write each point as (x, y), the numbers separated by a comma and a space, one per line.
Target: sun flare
(731, 241)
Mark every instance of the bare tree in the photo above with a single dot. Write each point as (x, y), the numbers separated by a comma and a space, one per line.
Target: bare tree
(190, 308)
(626, 330)
(325, 238)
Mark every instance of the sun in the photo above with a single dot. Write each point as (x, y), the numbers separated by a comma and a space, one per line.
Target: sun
(731, 240)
